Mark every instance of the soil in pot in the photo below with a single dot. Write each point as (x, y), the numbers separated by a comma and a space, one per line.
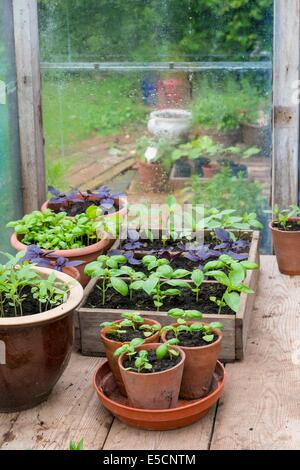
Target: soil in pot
(111, 344)
(189, 340)
(30, 305)
(158, 365)
(157, 389)
(130, 334)
(141, 301)
(199, 364)
(291, 226)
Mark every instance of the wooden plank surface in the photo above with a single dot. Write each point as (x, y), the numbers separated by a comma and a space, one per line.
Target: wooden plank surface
(260, 408)
(71, 412)
(194, 437)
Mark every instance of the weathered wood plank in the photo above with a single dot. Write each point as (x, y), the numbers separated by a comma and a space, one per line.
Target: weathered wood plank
(286, 108)
(71, 412)
(29, 103)
(260, 408)
(194, 437)
(90, 320)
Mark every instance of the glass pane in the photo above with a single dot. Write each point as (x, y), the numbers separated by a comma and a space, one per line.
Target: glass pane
(10, 182)
(108, 64)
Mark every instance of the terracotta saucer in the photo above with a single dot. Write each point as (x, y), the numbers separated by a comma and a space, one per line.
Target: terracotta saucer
(185, 413)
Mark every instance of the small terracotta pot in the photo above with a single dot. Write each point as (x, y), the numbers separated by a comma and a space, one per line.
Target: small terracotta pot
(35, 350)
(210, 170)
(153, 391)
(121, 202)
(287, 249)
(153, 177)
(111, 346)
(86, 254)
(199, 367)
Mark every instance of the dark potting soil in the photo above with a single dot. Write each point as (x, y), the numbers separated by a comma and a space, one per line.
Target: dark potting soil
(191, 340)
(30, 306)
(158, 365)
(152, 247)
(290, 226)
(126, 337)
(76, 208)
(141, 301)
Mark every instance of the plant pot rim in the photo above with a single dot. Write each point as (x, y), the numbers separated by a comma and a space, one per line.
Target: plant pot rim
(176, 114)
(287, 232)
(104, 330)
(168, 411)
(152, 346)
(193, 348)
(70, 253)
(74, 298)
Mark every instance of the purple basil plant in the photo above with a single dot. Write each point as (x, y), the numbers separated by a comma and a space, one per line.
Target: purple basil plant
(35, 255)
(237, 249)
(102, 197)
(133, 240)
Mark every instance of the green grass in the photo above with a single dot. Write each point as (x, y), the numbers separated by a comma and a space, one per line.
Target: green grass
(77, 107)
(74, 108)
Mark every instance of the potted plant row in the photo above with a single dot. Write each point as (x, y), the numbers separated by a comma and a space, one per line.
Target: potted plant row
(154, 375)
(204, 158)
(154, 287)
(81, 239)
(36, 331)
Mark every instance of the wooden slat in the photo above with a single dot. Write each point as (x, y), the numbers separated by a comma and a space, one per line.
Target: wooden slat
(90, 320)
(71, 412)
(194, 437)
(286, 109)
(29, 103)
(260, 408)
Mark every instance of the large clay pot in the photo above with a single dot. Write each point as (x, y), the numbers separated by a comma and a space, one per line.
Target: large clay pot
(287, 249)
(86, 254)
(171, 124)
(153, 177)
(156, 390)
(199, 367)
(35, 350)
(121, 202)
(111, 346)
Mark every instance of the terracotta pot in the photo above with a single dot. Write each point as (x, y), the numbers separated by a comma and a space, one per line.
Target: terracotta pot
(287, 249)
(86, 255)
(153, 391)
(73, 272)
(111, 346)
(199, 367)
(210, 170)
(153, 177)
(121, 202)
(186, 412)
(35, 350)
